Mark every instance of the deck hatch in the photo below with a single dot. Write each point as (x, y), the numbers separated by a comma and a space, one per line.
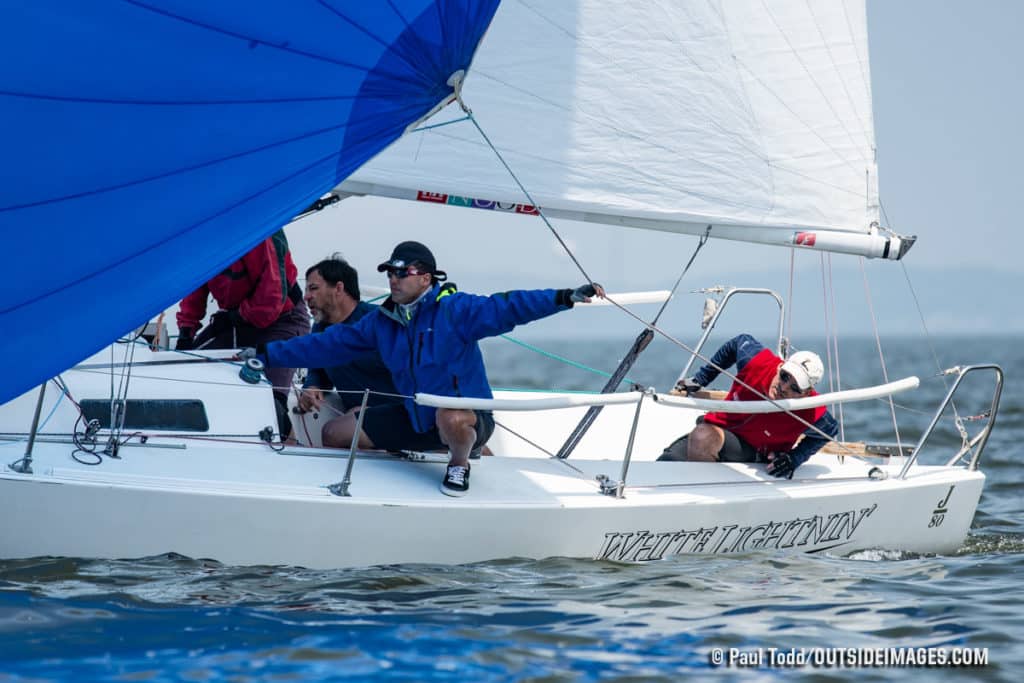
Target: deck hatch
(171, 414)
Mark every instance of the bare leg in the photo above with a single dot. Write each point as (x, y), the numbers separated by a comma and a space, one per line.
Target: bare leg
(458, 432)
(704, 443)
(337, 433)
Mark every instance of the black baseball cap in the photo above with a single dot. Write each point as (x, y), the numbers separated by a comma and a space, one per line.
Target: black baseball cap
(410, 253)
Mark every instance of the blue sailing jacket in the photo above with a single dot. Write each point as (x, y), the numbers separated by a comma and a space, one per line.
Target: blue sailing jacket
(436, 352)
(364, 372)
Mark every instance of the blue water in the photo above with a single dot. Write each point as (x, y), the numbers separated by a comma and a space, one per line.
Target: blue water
(171, 618)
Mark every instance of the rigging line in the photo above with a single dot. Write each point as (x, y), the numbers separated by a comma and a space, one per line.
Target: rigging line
(236, 384)
(826, 312)
(42, 425)
(920, 315)
(824, 97)
(789, 295)
(835, 342)
(540, 211)
(264, 383)
(248, 39)
(827, 320)
(528, 441)
(112, 347)
(881, 354)
(885, 215)
(119, 399)
(700, 245)
(832, 340)
(62, 385)
(380, 41)
(438, 125)
(540, 448)
(927, 333)
(126, 378)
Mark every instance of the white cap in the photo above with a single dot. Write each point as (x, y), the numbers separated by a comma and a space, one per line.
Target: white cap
(805, 367)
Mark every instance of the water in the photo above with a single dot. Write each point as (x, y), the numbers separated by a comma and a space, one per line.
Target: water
(171, 618)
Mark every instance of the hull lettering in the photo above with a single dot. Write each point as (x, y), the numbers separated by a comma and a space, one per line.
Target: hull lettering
(802, 532)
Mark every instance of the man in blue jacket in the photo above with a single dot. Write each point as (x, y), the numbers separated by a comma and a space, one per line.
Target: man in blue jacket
(427, 337)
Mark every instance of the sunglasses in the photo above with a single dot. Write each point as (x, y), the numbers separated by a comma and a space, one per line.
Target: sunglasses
(789, 383)
(402, 273)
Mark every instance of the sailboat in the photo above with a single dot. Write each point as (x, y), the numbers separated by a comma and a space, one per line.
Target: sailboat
(161, 140)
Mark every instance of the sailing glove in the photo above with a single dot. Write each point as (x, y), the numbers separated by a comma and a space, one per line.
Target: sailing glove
(186, 339)
(782, 465)
(570, 297)
(688, 386)
(224, 321)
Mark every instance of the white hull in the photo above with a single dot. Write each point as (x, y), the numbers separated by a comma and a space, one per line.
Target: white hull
(243, 503)
(518, 507)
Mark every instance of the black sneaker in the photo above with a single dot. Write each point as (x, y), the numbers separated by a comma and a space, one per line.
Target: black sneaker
(456, 481)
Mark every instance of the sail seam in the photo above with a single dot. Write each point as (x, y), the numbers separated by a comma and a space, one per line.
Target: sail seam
(377, 39)
(260, 41)
(842, 81)
(817, 85)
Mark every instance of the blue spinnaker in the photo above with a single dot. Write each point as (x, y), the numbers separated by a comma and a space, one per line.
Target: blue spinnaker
(146, 144)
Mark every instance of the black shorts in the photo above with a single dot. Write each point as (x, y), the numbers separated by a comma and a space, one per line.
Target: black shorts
(390, 428)
(734, 449)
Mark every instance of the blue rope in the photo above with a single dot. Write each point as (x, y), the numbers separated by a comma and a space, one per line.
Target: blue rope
(43, 424)
(438, 125)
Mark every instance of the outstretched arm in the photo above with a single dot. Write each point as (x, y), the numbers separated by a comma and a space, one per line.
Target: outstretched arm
(336, 345)
(488, 316)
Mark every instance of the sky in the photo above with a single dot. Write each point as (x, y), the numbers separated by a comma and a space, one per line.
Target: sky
(948, 97)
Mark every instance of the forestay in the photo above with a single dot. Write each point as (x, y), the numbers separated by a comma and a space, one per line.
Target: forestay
(149, 143)
(753, 117)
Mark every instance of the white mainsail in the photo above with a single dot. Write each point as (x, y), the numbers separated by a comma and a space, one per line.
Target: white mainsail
(751, 117)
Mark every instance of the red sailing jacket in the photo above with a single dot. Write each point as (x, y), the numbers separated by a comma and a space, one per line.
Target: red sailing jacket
(767, 432)
(257, 285)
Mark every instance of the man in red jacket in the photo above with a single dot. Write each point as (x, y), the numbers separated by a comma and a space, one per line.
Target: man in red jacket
(765, 437)
(260, 301)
